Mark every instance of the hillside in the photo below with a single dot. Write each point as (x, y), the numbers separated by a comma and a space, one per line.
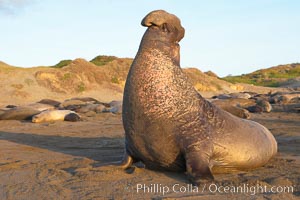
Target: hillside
(103, 78)
(278, 76)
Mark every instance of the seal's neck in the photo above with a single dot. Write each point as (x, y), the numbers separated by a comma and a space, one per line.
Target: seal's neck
(154, 39)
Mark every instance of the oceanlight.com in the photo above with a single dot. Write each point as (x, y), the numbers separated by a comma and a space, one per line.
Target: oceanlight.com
(213, 188)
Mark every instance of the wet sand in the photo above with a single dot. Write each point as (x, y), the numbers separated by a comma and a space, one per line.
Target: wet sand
(61, 160)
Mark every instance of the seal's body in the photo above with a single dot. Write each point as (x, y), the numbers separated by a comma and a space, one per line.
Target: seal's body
(52, 115)
(50, 102)
(236, 111)
(18, 113)
(169, 126)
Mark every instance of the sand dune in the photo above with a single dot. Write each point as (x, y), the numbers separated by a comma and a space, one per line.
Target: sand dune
(83, 78)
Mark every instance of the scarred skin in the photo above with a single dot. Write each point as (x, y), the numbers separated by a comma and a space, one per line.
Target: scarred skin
(169, 126)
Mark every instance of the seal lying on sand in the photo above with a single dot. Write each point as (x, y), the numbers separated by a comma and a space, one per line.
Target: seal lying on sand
(97, 108)
(18, 113)
(243, 103)
(72, 117)
(115, 107)
(86, 99)
(266, 106)
(170, 126)
(240, 95)
(72, 103)
(55, 115)
(239, 112)
(40, 106)
(255, 109)
(50, 102)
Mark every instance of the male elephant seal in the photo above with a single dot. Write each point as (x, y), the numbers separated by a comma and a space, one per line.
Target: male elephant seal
(170, 126)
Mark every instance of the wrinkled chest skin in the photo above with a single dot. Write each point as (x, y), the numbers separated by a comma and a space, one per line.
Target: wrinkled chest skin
(161, 107)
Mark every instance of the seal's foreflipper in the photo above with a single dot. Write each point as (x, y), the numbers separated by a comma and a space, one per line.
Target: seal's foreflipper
(197, 166)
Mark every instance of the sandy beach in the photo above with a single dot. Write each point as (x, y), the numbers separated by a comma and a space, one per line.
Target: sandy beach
(60, 160)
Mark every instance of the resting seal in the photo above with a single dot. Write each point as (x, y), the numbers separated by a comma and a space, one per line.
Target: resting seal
(265, 105)
(18, 113)
(50, 102)
(55, 115)
(115, 107)
(72, 117)
(170, 126)
(234, 110)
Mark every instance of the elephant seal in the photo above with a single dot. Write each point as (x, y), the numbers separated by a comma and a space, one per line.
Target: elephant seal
(97, 108)
(72, 117)
(19, 113)
(52, 115)
(237, 111)
(40, 106)
(170, 126)
(255, 109)
(265, 105)
(50, 102)
(71, 103)
(87, 100)
(295, 100)
(115, 107)
(222, 96)
(240, 95)
(243, 103)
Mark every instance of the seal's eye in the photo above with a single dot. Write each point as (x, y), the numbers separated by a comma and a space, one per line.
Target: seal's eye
(164, 27)
(168, 28)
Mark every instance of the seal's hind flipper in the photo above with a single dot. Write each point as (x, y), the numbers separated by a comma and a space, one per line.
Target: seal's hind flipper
(197, 166)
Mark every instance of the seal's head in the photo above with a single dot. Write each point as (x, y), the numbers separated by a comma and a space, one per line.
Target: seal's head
(37, 119)
(167, 25)
(163, 33)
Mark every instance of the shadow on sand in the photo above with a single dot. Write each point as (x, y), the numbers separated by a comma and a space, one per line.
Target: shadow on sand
(100, 149)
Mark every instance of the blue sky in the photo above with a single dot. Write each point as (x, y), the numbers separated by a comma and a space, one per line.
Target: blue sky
(224, 36)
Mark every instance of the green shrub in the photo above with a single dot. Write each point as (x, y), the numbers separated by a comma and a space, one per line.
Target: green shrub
(81, 87)
(239, 79)
(62, 63)
(115, 80)
(253, 81)
(102, 60)
(271, 77)
(66, 76)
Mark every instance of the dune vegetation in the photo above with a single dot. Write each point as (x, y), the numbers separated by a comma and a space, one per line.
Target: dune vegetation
(270, 77)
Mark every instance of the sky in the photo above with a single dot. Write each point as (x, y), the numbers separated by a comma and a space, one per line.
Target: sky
(224, 36)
